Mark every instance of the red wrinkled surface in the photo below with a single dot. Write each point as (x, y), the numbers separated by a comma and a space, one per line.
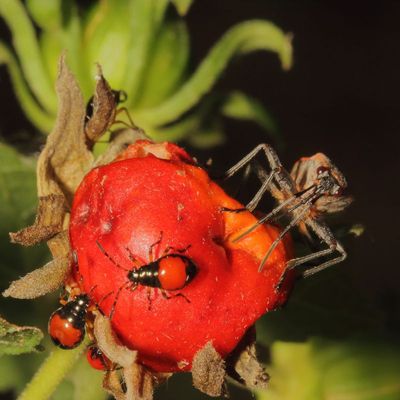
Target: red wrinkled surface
(125, 205)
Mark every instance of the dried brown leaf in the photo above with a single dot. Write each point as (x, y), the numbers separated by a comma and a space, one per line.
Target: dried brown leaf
(49, 221)
(243, 365)
(140, 382)
(104, 105)
(112, 384)
(250, 370)
(208, 371)
(65, 158)
(59, 245)
(40, 281)
(109, 344)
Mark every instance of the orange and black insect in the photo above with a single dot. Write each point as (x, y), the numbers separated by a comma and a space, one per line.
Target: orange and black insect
(97, 359)
(171, 272)
(67, 324)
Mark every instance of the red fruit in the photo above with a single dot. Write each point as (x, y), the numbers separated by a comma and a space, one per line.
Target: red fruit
(123, 207)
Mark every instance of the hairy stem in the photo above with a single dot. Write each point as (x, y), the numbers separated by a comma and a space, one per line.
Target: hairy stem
(53, 370)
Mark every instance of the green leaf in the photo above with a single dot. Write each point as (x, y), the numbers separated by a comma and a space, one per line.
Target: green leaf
(17, 188)
(241, 39)
(107, 33)
(238, 105)
(145, 16)
(46, 14)
(40, 118)
(206, 137)
(29, 53)
(344, 370)
(17, 340)
(182, 6)
(18, 198)
(167, 65)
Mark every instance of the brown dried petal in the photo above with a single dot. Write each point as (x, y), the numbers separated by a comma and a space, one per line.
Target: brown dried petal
(208, 371)
(49, 221)
(110, 345)
(65, 158)
(59, 245)
(250, 370)
(112, 384)
(139, 383)
(40, 281)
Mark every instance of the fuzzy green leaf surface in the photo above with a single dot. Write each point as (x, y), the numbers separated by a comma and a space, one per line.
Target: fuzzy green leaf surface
(18, 340)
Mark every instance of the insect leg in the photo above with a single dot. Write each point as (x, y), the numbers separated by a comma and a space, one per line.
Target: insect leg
(151, 249)
(267, 217)
(168, 249)
(325, 234)
(149, 297)
(288, 227)
(124, 286)
(269, 152)
(165, 295)
(274, 163)
(132, 257)
(109, 257)
(131, 124)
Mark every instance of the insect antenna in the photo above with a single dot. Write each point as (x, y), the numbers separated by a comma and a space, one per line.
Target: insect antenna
(109, 257)
(124, 286)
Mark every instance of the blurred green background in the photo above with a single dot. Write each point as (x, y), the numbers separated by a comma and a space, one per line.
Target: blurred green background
(338, 337)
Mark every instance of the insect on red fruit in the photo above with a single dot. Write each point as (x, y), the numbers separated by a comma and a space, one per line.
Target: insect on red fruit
(171, 272)
(97, 359)
(210, 291)
(67, 324)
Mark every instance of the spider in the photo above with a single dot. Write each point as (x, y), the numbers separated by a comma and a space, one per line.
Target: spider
(314, 187)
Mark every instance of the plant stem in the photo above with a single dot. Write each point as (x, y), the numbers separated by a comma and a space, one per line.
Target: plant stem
(51, 373)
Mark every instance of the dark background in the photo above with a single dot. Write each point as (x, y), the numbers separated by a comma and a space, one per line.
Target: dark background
(341, 98)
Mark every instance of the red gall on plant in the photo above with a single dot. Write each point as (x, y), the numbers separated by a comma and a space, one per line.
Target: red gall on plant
(156, 251)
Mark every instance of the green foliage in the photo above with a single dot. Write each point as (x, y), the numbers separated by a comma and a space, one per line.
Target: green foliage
(152, 66)
(17, 209)
(326, 369)
(17, 340)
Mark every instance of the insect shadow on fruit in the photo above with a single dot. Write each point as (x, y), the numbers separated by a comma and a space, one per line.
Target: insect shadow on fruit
(172, 271)
(314, 187)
